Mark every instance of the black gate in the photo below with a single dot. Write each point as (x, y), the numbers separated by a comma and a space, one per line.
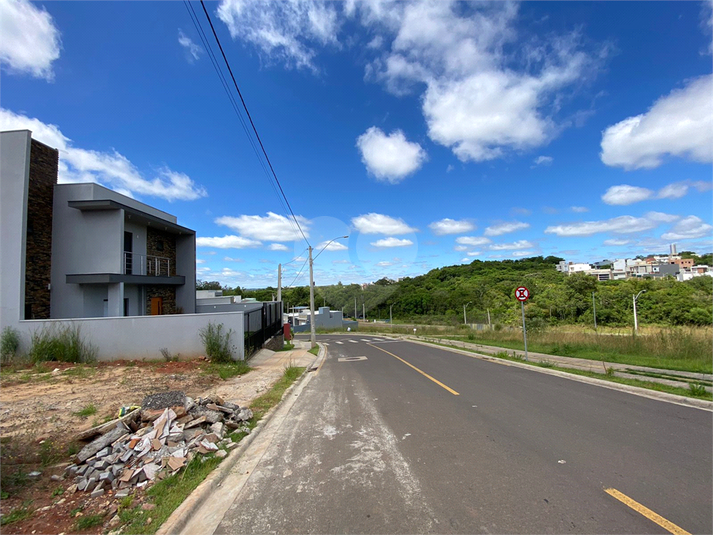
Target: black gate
(260, 325)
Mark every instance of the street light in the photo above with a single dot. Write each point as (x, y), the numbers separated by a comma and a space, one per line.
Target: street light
(313, 335)
(636, 321)
(465, 318)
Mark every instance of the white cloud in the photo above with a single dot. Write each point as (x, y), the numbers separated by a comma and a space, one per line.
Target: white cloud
(543, 160)
(522, 253)
(392, 242)
(109, 169)
(679, 124)
(579, 209)
(505, 228)
(283, 31)
(229, 259)
(460, 248)
(451, 226)
(273, 227)
(689, 228)
(278, 247)
(474, 253)
(625, 224)
(193, 51)
(390, 158)
(333, 246)
(475, 241)
(617, 243)
(341, 262)
(381, 224)
(227, 242)
(514, 246)
(625, 194)
(30, 41)
(200, 261)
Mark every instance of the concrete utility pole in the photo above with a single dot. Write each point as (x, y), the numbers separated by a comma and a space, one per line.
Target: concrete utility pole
(363, 311)
(636, 321)
(355, 311)
(313, 334)
(279, 282)
(489, 324)
(465, 318)
(391, 318)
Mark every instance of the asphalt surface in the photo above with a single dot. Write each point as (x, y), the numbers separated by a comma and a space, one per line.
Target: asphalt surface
(384, 445)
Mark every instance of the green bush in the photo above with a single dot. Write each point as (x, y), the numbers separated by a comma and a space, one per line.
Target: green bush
(61, 343)
(217, 342)
(9, 344)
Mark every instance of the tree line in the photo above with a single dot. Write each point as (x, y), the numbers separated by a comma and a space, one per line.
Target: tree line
(488, 287)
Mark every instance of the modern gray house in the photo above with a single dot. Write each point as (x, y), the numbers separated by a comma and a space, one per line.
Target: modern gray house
(82, 250)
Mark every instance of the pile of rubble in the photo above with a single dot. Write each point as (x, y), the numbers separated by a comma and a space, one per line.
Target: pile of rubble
(155, 441)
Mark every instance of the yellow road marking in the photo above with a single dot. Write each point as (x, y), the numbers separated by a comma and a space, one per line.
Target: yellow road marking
(419, 371)
(648, 513)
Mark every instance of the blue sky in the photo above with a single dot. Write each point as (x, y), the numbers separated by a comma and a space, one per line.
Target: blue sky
(432, 133)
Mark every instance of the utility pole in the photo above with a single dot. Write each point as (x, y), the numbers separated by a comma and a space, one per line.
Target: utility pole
(489, 324)
(279, 282)
(363, 311)
(391, 319)
(594, 311)
(355, 311)
(465, 318)
(313, 335)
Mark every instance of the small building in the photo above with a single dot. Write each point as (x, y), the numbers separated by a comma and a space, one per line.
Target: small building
(82, 250)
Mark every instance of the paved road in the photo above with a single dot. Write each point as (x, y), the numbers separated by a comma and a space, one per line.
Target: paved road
(415, 439)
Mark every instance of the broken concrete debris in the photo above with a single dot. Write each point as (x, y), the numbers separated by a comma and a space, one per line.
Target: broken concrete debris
(160, 439)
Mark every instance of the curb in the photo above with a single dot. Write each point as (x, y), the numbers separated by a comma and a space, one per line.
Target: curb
(684, 401)
(180, 516)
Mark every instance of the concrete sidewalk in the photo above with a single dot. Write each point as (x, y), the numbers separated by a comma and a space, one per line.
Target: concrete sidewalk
(672, 377)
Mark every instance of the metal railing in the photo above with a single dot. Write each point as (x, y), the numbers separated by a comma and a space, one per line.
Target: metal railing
(140, 264)
(260, 325)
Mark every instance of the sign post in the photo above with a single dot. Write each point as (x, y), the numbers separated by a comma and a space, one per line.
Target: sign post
(522, 294)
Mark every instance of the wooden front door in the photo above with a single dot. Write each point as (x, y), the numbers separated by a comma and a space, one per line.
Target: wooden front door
(156, 306)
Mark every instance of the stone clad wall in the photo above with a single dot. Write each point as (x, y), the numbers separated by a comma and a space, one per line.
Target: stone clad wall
(44, 163)
(154, 239)
(168, 293)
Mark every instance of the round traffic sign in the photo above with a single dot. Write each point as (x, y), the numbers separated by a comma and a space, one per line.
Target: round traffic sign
(522, 294)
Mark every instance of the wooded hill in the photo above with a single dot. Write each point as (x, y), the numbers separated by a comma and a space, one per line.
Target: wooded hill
(556, 298)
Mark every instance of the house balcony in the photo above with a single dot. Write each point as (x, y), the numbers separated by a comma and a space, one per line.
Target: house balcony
(136, 269)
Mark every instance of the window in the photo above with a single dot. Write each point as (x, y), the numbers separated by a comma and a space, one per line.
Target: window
(159, 245)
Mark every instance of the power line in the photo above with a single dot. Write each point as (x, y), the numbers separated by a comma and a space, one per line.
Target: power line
(214, 61)
(298, 274)
(252, 123)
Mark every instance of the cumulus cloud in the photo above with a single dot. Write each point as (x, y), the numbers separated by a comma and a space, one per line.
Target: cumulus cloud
(543, 160)
(518, 254)
(475, 241)
(392, 242)
(278, 247)
(616, 242)
(689, 228)
(514, 246)
(285, 31)
(451, 226)
(460, 248)
(625, 224)
(389, 157)
(109, 169)
(624, 194)
(381, 224)
(679, 124)
(505, 228)
(273, 227)
(30, 40)
(333, 246)
(227, 242)
(579, 209)
(193, 51)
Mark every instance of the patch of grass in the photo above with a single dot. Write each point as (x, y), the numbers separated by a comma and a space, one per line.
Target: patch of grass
(314, 350)
(217, 342)
(72, 449)
(16, 515)
(13, 480)
(228, 369)
(273, 396)
(49, 453)
(698, 390)
(289, 346)
(61, 343)
(81, 371)
(546, 364)
(87, 411)
(9, 345)
(89, 521)
(685, 349)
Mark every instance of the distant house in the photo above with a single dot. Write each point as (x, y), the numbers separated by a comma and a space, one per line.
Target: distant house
(82, 250)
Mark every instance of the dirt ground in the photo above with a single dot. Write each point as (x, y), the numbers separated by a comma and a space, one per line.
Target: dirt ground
(39, 419)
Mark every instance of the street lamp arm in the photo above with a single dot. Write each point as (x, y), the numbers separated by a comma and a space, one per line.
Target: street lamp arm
(327, 245)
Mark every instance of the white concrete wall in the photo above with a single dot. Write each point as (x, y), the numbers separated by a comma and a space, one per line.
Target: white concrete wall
(14, 176)
(142, 337)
